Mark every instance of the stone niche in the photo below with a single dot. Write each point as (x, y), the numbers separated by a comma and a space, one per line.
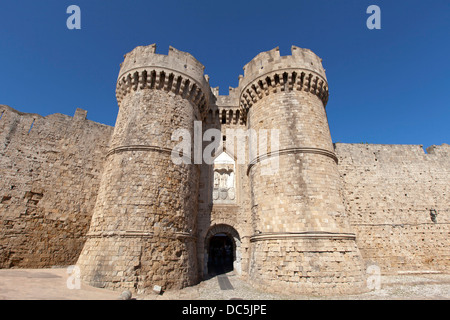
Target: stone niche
(224, 185)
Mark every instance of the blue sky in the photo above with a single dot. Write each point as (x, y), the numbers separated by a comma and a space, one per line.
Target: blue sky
(388, 86)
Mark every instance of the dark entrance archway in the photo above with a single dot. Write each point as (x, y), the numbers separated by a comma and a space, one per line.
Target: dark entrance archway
(220, 254)
(218, 258)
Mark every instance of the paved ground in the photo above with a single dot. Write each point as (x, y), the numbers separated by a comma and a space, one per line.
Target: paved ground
(51, 284)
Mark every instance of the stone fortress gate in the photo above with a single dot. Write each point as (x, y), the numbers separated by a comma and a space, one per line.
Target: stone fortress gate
(310, 225)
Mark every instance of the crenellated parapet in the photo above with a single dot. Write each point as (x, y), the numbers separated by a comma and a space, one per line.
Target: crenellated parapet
(225, 109)
(269, 73)
(178, 72)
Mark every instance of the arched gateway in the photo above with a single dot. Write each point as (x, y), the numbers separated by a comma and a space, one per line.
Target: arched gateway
(222, 250)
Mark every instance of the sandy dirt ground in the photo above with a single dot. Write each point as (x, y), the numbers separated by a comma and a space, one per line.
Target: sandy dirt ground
(58, 284)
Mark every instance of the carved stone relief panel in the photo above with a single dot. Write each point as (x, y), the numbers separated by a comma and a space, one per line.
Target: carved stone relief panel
(224, 186)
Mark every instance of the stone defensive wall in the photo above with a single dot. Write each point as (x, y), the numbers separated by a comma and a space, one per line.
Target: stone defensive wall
(112, 201)
(397, 198)
(50, 170)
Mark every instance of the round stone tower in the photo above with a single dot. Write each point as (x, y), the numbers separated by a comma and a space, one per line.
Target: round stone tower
(301, 241)
(143, 227)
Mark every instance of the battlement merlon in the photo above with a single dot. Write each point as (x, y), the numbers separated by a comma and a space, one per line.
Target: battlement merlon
(145, 56)
(230, 100)
(302, 70)
(443, 149)
(269, 61)
(177, 71)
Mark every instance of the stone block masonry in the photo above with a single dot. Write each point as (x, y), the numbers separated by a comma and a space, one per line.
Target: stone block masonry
(297, 212)
(50, 171)
(389, 192)
(112, 200)
(145, 219)
(317, 264)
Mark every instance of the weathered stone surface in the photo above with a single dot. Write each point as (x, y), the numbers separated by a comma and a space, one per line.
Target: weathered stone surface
(299, 207)
(144, 198)
(389, 191)
(50, 170)
(112, 201)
